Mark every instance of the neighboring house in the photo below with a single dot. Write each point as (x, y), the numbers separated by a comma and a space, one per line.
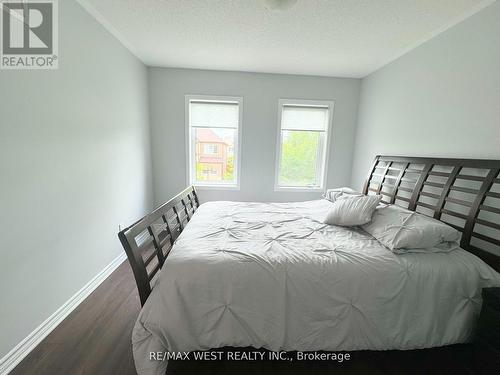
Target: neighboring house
(211, 155)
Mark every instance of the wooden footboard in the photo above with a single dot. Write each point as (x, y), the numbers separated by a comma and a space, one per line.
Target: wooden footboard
(148, 241)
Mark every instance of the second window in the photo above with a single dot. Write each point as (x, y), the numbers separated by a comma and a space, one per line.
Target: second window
(303, 141)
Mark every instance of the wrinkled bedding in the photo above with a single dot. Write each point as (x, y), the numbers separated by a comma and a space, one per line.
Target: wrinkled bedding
(274, 276)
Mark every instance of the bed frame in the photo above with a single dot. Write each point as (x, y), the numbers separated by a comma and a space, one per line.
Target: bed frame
(463, 193)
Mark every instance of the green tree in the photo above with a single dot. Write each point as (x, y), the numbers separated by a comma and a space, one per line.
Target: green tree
(299, 157)
(229, 173)
(200, 176)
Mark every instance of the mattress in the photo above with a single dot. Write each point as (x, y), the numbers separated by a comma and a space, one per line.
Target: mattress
(272, 275)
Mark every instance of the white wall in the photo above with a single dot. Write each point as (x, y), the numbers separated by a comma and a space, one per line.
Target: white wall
(441, 99)
(74, 163)
(260, 93)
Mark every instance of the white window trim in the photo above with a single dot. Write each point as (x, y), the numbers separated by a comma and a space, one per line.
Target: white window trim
(329, 135)
(237, 146)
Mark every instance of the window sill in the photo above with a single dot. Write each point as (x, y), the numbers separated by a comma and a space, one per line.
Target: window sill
(299, 189)
(216, 187)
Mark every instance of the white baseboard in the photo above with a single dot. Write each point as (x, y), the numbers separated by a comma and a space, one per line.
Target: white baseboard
(21, 350)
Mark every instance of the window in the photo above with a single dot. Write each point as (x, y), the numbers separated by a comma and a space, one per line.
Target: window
(213, 140)
(210, 149)
(303, 142)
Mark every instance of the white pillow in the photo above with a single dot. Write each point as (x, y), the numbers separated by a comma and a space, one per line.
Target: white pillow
(405, 231)
(333, 194)
(352, 210)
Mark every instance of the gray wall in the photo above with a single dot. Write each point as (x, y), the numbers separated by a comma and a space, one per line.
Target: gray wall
(260, 93)
(74, 162)
(441, 99)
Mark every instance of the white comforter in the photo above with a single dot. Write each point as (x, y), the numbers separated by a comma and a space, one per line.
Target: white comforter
(274, 276)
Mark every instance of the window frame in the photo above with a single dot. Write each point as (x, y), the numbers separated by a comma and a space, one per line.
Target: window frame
(328, 133)
(190, 176)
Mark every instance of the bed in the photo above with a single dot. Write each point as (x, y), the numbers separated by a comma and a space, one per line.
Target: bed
(274, 276)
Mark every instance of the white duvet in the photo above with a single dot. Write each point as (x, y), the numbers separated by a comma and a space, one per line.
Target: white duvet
(274, 276)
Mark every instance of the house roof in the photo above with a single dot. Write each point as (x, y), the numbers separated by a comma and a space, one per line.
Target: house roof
(207, 136)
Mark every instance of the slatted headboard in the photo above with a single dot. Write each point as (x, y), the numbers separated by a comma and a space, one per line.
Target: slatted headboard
(149, 240)
(463, 193)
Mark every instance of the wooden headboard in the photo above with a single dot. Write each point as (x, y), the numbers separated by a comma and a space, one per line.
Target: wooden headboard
(463, 193)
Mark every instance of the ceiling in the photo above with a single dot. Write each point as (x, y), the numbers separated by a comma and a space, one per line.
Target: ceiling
(342, 38)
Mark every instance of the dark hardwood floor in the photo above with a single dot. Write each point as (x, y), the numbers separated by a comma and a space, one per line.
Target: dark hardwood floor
(95, 339)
